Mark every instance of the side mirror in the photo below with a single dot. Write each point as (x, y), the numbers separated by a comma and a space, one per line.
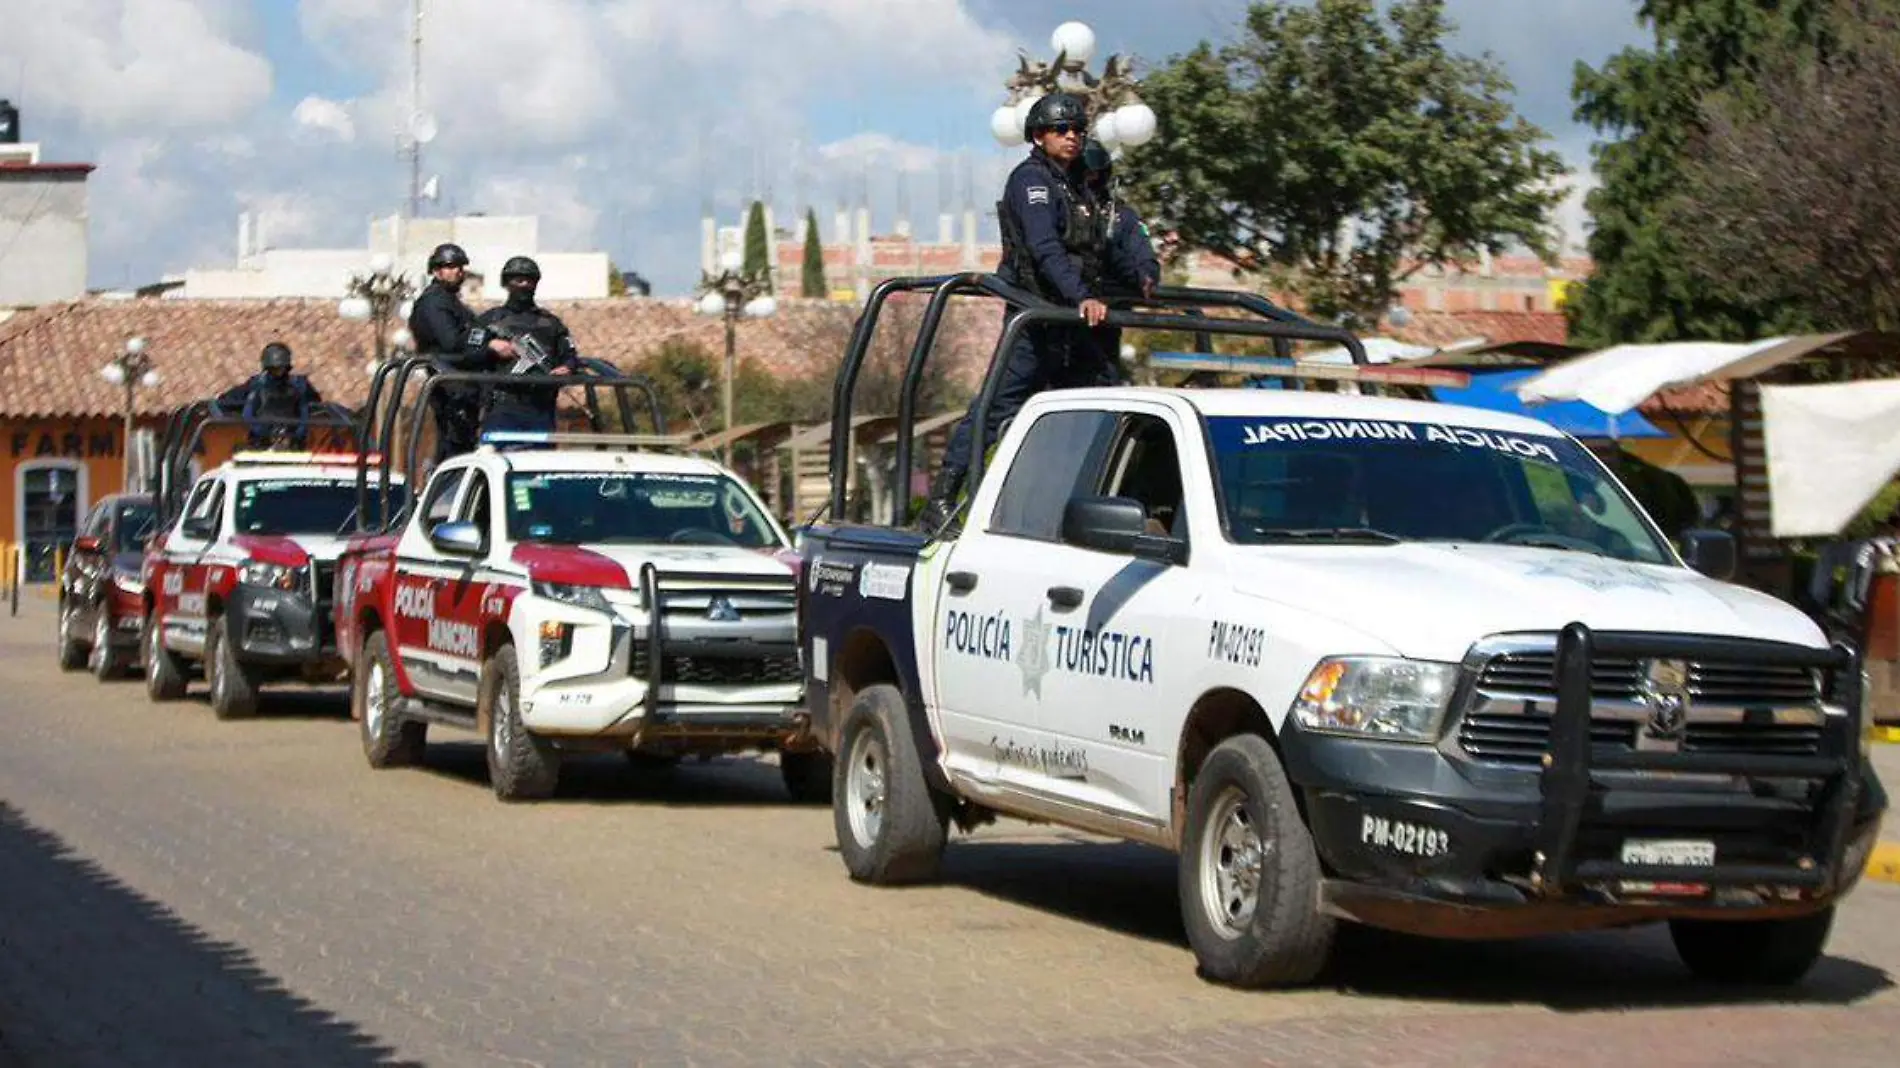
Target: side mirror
(86, 543)
(462, 539)
(1117, 525)
(1711, 552)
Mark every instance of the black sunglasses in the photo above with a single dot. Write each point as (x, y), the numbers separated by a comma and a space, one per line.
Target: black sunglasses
(1064, 129)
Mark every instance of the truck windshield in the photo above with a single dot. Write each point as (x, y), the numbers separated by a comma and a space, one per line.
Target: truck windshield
(1373, 481)
(620, 507)
(295, 506)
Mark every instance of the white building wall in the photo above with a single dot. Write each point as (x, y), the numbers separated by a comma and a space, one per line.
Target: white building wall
(43, 219)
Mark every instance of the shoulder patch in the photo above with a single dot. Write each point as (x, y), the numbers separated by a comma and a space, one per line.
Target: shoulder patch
(1039, 194)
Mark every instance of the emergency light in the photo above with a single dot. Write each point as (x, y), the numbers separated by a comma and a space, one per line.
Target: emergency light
(256, 456)
(602, 441)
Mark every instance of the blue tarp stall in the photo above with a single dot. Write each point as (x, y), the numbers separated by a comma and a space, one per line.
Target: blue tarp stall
(1497, 391)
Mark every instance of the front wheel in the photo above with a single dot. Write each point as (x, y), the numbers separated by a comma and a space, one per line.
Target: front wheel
(1249, 875)
(72, 651)
(1752, 952)
(521, 765)
(891, 824)
(389, 740)
(164, 671)
(233, 685)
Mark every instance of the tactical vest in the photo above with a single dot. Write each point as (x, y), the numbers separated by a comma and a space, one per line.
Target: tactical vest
(1084, 237)
(280, 401)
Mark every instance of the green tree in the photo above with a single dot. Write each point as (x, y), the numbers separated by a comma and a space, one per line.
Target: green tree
(1648, 102)
(1338, 151)
(616, 282)
(813, 275)
(758, 246)
(1817, 126)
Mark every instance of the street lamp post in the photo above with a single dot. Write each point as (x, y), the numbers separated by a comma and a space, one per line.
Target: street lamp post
(377, 297)
(732, 293)
(1118, 118)
(130, 369)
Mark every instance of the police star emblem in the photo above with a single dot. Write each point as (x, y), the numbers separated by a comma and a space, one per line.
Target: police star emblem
(1032, 653)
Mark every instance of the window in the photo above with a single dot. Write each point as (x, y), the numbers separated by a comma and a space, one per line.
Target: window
(205, 509)
(441, 497)
(1146, 467)
(295, 506)
(1060, 450)
(475, 506)
(609, 507)
(49, 496)
(135, 523)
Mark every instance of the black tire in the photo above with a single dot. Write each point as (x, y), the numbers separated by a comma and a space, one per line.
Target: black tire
(389, 740)
(1283, 939)
(807, 776)
(106, 665)
(1752, 952)
(72, 652)
(233, 684)
(164, 670)
(521, 766)
(891, 825)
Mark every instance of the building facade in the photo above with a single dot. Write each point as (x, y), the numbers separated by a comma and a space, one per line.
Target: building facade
(43, 212)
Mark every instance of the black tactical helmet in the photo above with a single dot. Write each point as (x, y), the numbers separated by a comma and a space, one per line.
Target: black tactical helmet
(447, 255)
(520, 267)
(1096, 159)
(276, 357)
(1052, 109)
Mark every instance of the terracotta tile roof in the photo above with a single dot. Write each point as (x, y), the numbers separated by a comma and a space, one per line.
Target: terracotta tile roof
(1707, 398)
(50, 356)
(1443, 328)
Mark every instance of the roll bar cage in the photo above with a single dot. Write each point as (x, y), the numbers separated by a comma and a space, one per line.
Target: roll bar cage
(1180, 308)
(387, 386)
(185, 431)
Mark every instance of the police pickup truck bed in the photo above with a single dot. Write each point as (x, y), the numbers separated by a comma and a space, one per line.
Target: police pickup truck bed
(1401, 663)
(558, 600)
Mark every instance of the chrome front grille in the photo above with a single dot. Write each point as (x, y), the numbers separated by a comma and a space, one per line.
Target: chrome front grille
(1737, 708)
(722, 630)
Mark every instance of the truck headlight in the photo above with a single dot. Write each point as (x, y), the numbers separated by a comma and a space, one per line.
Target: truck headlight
(1381, 697)
(588, 597)
(273, 576)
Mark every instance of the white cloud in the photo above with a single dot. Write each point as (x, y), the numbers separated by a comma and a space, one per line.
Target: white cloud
(327, 116)
(132, 64)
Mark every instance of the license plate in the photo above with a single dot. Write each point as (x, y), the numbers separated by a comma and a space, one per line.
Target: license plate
(1670, 852)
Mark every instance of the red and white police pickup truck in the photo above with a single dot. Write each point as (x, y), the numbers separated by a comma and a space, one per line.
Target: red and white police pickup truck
(240, 581)
(557, 599)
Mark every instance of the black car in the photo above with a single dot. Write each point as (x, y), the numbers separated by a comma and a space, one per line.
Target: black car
(101, 598)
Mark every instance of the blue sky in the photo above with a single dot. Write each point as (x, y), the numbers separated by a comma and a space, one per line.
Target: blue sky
(613, 120)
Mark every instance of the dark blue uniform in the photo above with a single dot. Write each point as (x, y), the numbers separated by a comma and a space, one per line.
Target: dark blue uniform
(1054, 245)
(443, 327)
(290, 397)
(1131, 268)
(525, 407)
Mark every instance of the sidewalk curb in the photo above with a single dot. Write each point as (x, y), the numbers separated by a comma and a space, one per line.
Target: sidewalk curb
(1883, 864)
(1887, 734)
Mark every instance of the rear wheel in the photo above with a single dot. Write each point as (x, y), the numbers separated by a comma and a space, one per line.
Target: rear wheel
(521, 765)
(72, 651)
(1249, 875)
(389, 740)
(1754, 952)
(233, 684)
(164, 670)
(891, 824)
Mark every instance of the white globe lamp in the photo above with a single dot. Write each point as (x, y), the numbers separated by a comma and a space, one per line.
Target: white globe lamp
(711, 304)
(113, 373)
(1107, 130)
(135, 345)
(149, 379)
(401, 338)
(355, 309)
(761, 308)
(1074, 40)
(380, 263)
(1023, 107)
(1134, 124)
(731, 260)
(1005, 127)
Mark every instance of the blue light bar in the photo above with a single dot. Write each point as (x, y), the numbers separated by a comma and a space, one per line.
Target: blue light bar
(516, 437)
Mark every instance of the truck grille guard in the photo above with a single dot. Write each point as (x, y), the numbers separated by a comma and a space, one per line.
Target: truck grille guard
(657, 643)
(1572, 791)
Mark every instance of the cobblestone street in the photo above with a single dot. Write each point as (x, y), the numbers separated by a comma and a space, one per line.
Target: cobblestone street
(183, 891)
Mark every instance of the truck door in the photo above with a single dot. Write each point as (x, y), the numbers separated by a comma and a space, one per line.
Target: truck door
(181, 591)
(992, 638)
(420, 576)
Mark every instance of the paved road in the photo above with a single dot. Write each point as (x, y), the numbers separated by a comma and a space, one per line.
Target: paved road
(174, 890)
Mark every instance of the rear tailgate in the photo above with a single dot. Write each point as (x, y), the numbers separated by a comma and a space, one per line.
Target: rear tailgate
(855, 595)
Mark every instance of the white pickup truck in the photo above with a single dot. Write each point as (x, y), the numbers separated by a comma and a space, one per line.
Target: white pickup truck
(1354, 658)
(559, 600)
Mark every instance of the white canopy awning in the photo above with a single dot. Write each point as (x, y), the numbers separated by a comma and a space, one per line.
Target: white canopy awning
(1831, 448)
(1384, 350)
(1617, 379)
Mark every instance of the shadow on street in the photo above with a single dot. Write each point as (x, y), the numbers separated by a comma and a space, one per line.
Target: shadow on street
(1131, 890)
(93, 973)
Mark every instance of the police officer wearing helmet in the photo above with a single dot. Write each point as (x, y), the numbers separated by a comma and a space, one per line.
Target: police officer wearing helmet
(525, 407)
(444, 330)
(1131, 266)
(1054, 245)
(276, 394)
